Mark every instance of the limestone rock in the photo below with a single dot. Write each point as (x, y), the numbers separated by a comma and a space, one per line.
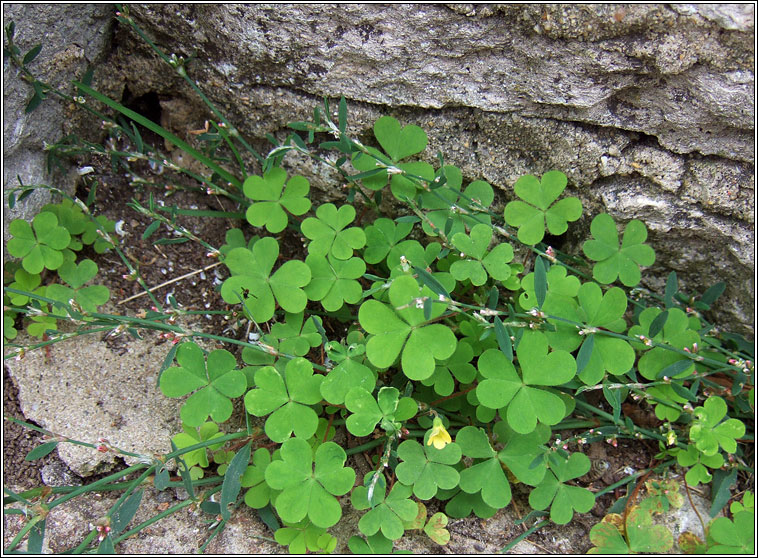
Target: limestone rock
(72, 36)
(88, 390)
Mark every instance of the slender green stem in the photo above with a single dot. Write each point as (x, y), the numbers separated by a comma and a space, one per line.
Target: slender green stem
(22, 533)
(223, 133)
(137, 528)
(572, 424)
(366, 446)
(524, 535)
(626, 480)
(622, 424)
(130, 489)
(84, 544)
(152, 126)
(123, 18)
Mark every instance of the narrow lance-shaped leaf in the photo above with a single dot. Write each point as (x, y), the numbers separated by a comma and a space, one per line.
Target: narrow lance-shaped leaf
(585, 353)
(342, 115)
(711, 295)
(431, 282)
(671, 288)
(656, 326)
(232, 479)
(540, 281)
(503, 339)
(126, 511)
(674, 369)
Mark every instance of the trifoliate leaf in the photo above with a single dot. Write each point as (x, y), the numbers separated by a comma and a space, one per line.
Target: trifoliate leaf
(614, 260)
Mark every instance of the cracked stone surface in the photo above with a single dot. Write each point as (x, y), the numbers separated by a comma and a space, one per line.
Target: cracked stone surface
(74, 36)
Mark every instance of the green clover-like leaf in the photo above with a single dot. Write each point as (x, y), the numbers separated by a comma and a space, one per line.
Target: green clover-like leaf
(477, 265)
(333, 282)
(559, 301)
(526, 402)
(235, 238)
(414, 253)
(92, 236)
(376, 162)
(304, 537)
(212, 382)
(403, 186)
(347, 375)
(69, 216)
(194, 435)
(537, 209)
(435, 528)
(40, 244)
(486, 476)
(40, 325)
(709, 432)
(328, 235)
(258, 359)
(310, 482)
(609, 354)
(375, 544)
(259, 493)
(747, 504)
(456, 367)
(272, 198)
(462, 504)
(521, 452)
(698, 463)
(565, 498)
(388, 409)
(287, 398)
(259, 290)
(25, 281)
(398, 142)
(641, 534)
(295, 337)
(427, 468)
(445, 204)
(614, 260)
(89, 298)
(401, 328)
(676, 332)
(9, 329)
(388, 512)
(381, 236)
(560, 288)
(77, 275)
(733, 537)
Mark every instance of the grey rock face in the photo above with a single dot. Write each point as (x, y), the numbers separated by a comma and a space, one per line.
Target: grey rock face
(72, 36)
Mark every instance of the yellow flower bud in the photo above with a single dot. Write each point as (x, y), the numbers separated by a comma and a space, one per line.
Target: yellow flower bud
(439, 436)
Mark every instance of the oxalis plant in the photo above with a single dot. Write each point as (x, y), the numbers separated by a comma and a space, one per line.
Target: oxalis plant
(466, 355)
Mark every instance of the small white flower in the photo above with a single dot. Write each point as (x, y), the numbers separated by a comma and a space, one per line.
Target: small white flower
(120, 228)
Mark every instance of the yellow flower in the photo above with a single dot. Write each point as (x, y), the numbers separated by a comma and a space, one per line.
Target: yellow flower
(439, 436)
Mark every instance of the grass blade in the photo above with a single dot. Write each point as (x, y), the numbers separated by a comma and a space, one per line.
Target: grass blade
(232, 479)
(165, 134)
